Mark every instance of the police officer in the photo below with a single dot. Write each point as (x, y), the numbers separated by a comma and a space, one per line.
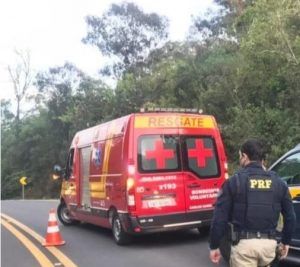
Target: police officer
(251, 200)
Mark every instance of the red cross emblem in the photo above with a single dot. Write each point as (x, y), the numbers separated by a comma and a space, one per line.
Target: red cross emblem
(201, 153)
(160, 154)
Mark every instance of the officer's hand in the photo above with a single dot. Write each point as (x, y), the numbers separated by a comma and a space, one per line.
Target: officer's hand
(284, 250)
(215, 255)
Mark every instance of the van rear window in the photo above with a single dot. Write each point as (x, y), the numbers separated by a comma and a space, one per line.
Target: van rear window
(201, 157)
(161, 153)
(158, 153)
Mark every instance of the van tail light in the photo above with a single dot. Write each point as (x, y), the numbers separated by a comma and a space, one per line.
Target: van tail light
(226, 170)
(130, 185)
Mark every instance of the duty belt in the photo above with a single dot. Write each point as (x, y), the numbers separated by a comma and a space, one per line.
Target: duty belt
(258, 235)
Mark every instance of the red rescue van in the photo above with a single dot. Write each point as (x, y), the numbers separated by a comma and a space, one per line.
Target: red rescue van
(144, 173)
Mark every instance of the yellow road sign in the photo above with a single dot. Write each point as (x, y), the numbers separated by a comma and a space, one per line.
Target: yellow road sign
(23, 180)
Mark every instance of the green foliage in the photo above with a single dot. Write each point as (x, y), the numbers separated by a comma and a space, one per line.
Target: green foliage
(126, 32)
(6, 115)
(69, 101)
(91, 105)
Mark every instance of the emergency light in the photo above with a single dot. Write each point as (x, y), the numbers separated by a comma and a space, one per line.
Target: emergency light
(178, 110)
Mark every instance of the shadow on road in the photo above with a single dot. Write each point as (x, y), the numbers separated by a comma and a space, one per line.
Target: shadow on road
(152, 240)
(169, 239)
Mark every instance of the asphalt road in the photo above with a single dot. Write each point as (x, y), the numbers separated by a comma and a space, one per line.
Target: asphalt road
(89, 246)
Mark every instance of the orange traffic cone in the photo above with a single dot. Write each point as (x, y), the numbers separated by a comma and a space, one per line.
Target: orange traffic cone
(53, 237)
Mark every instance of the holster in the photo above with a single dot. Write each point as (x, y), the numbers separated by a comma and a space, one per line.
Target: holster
(233, 236)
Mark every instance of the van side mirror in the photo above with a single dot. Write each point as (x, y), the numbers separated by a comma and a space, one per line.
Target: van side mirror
(57, 172)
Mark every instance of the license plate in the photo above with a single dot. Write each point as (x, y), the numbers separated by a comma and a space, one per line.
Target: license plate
(158, 203)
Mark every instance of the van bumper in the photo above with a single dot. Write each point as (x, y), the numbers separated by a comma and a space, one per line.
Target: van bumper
(170, 222)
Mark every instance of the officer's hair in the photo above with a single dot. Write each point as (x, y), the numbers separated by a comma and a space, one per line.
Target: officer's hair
(254, 149)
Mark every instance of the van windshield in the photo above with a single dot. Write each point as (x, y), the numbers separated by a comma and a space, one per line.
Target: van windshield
(164, 153)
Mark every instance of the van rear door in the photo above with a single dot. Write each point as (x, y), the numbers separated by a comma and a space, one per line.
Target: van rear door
(159, 182)
(201, 171)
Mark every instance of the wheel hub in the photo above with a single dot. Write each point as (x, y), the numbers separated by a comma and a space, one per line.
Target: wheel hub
(65, 214)
(117, 229)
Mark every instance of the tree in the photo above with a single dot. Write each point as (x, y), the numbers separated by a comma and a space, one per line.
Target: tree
(6, 115)
(21, 77)
(73, 101)
(270, 47)
(91, 105)
(259, 87)
(126, 33)
(220, 23)
(56, 87)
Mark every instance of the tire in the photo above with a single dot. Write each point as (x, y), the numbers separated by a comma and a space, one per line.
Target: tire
(64, 216)
(120, 236)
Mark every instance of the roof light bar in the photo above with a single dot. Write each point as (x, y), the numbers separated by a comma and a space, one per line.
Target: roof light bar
(178, 110)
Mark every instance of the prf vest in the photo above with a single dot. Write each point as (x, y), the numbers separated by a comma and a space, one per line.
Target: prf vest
(256, 201)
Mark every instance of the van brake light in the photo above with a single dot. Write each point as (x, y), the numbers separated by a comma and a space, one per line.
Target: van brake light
(130, 194)
(130, 184)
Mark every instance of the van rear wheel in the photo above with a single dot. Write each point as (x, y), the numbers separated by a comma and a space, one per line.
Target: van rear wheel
(64, 215)
(120, 236)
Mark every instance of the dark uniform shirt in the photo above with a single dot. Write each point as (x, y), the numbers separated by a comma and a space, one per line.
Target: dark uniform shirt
(252, 200)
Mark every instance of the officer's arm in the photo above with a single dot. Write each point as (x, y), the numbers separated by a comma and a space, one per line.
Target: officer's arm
(289, 217)
(221, 215)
